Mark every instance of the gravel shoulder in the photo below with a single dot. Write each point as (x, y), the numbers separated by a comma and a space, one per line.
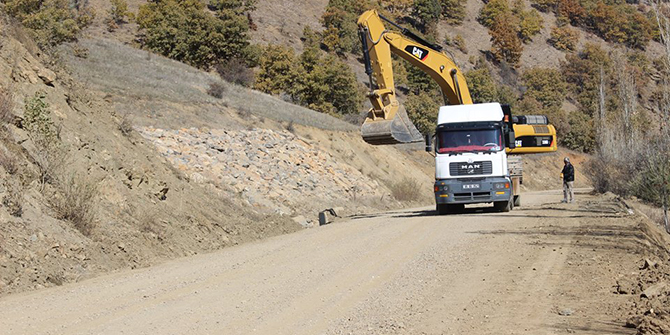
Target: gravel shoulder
(545, 268)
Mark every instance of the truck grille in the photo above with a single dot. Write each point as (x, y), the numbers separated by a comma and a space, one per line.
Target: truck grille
(467, 169)
(476, 196)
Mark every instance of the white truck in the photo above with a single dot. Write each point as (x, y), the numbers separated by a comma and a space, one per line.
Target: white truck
(471, 165)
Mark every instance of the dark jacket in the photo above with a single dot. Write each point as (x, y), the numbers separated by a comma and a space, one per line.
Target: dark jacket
(568, 172)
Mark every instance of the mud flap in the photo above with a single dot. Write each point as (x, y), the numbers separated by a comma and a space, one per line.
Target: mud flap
(398, 130)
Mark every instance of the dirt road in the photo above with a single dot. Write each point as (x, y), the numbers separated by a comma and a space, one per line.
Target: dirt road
(546, 268)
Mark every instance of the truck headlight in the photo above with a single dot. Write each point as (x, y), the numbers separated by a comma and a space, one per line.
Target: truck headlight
(499, 186)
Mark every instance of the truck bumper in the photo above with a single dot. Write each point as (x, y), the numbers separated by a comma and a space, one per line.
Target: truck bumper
(472, 191)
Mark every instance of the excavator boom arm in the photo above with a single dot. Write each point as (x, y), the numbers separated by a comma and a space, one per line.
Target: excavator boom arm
(387, 122)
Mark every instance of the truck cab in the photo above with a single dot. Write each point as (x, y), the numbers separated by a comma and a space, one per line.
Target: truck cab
(471, 165)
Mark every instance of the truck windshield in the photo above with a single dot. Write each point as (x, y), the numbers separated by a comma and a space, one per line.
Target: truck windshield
(461, 140)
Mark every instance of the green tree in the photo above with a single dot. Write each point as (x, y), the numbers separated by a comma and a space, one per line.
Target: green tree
(322, 74)
(481, 84)
(422, 109)
(564, 38)
(492, 10)
(544, 85)
(544, 5)
(279, 71)
(341, 33)
(427, 12)
(530, 24)
(52, 22)
(184, 31)
(453, 11)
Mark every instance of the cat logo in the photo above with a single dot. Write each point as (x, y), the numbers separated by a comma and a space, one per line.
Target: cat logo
(419, 53)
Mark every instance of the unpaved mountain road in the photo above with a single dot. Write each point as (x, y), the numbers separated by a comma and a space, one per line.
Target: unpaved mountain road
(407, 272)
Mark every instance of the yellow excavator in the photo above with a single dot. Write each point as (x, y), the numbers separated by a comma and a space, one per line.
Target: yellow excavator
(387, 121)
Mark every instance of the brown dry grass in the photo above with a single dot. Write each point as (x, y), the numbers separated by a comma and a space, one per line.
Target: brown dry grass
(406, 189)
(74, 201)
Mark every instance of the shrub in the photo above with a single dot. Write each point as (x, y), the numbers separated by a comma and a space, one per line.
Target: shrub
(119, 12)
(564, 38)
(49, 155)
(544, 5)
(453, 11)
(52, 21)
(406, 190)
(570, 11)
(236, 71)
(492, 10)
(184, 31)
(481, 84)
(74, 201)
(216, 90)
(341, 33)
(422, 110)
(279, 70)
(426, 12)
(505, 43)
(544, 85)
(530, 24)
(320, 76)
(459, 42)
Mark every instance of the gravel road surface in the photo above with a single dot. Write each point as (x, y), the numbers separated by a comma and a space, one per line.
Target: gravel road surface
(405, 272)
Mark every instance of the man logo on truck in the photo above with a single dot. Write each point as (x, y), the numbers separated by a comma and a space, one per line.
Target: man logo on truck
(470, 168)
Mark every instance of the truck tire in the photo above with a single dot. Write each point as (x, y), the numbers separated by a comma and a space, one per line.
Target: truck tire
(503, 206)
(517, 201)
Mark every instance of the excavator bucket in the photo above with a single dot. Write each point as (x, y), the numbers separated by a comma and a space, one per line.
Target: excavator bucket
(396, 131)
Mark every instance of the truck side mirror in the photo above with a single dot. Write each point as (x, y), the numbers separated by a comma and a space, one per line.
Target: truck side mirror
(429, 143)
(511, 140)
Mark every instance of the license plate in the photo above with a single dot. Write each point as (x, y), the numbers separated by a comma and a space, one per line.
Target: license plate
(471, 186)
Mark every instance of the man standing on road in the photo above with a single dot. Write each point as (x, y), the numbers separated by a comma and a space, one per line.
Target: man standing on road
(568, 181)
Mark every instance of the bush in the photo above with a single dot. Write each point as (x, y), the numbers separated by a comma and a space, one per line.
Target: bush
(422, 109)
(320, 76)
(49, 155)
(118, 14)
(544, 85)
(492, 10)
(530, 24)
(341, 32)
(279, 70)
(236, 71)
(184, 31)
(453, 11)
(406, 190)
(481, 84)
(564, 38)
(544, 5)
(52, 21)
(459, 42)
(216, 90)
(570, 11)
(74, 201)
(505, 43)
(310, 80)
(427, 12)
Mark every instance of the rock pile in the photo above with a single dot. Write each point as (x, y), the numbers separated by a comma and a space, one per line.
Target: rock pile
(268, 168)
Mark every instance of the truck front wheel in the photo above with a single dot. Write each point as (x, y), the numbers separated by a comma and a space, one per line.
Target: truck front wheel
(503, 206)
(517, 201)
